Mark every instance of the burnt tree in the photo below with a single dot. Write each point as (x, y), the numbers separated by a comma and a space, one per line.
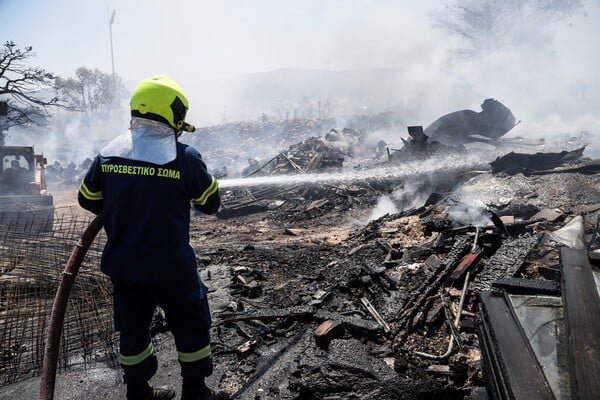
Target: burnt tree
(25, 92)
(488, 25)
(92, 92)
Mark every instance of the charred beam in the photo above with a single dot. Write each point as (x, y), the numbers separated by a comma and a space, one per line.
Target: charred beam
(290, 312)
(528, 286)
(582, 317)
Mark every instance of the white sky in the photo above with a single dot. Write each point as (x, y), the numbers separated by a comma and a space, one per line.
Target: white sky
(197, 40)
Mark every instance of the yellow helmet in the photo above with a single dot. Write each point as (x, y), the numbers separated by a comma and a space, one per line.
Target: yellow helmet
(161, 99)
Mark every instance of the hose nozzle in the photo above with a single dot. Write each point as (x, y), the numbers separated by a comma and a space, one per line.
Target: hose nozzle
(188, 127)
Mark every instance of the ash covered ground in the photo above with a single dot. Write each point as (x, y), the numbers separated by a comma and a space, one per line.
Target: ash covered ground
(334, 274)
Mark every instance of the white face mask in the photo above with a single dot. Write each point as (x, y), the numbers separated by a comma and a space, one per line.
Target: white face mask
(145, 140)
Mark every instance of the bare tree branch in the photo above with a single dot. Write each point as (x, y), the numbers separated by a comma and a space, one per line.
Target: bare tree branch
(25, 92)
(92, 92)
(487, 25)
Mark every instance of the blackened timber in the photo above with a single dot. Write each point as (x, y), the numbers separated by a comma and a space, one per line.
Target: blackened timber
(490, 357)
(257, 196)
(433, 283)
(505, 261)
(589, 169)
(271, 314)
(582, 316)
(528, 286)
(510, 360)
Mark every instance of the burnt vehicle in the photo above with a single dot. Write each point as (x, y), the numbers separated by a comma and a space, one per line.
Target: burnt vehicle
(24, 201)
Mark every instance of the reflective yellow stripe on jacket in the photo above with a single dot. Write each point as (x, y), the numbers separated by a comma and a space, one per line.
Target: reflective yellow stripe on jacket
(195, 356)
(88, 194)
(138, 358)
(210, 190)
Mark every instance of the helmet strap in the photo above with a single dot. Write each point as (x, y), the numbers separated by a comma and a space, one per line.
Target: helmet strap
(179, 128)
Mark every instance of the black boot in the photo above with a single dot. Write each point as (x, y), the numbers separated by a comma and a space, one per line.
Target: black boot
(146, 392)
(196, 389)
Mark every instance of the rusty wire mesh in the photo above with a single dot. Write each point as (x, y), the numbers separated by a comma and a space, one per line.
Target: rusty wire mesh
(31, 261)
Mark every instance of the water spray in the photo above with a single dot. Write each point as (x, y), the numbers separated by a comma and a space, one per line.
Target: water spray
(446, 163)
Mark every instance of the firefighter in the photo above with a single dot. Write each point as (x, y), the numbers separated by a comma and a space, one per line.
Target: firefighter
(142, 183)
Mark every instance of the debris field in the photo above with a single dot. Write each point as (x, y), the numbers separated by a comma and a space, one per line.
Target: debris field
(315, 295)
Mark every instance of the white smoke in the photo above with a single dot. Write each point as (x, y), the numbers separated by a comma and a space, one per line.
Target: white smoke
(69, 137)
(471, 213)
(374, 56)
(385, 205)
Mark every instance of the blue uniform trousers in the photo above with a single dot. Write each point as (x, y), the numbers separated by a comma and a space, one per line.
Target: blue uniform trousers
(188, 317)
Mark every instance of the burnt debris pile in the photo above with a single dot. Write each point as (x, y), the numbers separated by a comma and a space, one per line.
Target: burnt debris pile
(417, 304)
(235, 146)
(312, 154)
(305, 192)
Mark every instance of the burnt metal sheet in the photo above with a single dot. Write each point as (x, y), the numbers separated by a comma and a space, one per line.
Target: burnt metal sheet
(514, 372)
(513, 163)
(582, 316)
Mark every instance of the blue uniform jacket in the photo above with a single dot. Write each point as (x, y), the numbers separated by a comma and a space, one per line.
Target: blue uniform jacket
(146, 212)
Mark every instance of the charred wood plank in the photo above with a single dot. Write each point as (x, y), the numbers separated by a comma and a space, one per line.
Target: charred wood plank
(510, 362)
(351, 323)
(432, 284)
(255, 196)
(528, 286)
(292, 163)
(582, 317)
(259, 169)
(505, 262)
(589, 169)
(271, 314)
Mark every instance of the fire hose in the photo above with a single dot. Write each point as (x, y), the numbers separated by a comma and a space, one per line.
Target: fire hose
(59, 308)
